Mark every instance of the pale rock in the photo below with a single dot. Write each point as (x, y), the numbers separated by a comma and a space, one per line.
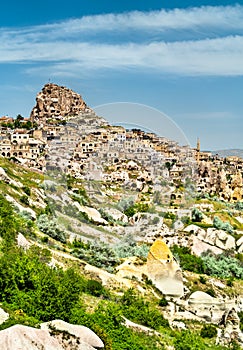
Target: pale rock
(56, 102)
(130, 269)
(22, 241)
(138, 327)
(211, 236)
(198, 247)
(207, 220)
(82, 333)
(92, 213)
(192, 229)
(224, 240)
(240, 219)
(199, 297)
(240, 249)
(107, 279)
(20, 207)
(4, 177)
(3, 316)
(116, 214)
(201, 234)
(178, 225)
(178, 325)
(222, 235)
(239, 241)
(23, 337)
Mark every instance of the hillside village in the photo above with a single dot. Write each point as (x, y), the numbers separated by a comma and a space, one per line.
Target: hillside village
(134, 211)
(62, 123)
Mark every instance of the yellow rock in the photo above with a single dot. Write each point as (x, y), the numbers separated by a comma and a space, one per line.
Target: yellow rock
(160, 250)
(163, 270)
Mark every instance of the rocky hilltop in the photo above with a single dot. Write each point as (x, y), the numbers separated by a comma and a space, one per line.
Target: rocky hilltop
(57, 102)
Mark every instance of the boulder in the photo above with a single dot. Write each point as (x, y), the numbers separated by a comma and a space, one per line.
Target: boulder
(198, 247)
(82, 333)
(226, 242)
(23, 337)
(199, 297)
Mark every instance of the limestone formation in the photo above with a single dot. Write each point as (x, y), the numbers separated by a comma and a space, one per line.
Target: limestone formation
(54, 335)
(56, 102)
(23, 337)
(80, 332)
(207, 307)
(163, 270)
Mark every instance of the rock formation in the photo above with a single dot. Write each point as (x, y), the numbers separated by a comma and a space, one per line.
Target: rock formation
(23, 337)
(53, 335)
(55, 102)
(231, 328)
(163, 270)
(82, 333)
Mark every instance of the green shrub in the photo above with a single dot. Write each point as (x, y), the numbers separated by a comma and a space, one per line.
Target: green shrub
(221, 225)
(163, 302)
(222, 266)
(99, 254)
(24, 199)
(95, 288)
(155, 220)
(202, 279)
(187, 260)
(208, 331)
(138, 310)
(27, 190)
(51, 228)
(197, 215)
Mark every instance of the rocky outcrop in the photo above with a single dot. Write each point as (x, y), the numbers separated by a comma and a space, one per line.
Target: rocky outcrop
(163, 270)
(54, 335)
(211, 239)
(57, 102)
(93, 214)
(23, 337)
(81, 333)
(230, 330)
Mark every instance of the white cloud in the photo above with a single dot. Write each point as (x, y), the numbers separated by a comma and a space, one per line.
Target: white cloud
(206, 17)
(67, 53)
(223, 56)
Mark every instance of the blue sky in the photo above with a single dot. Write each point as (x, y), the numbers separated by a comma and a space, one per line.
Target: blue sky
(182, 58)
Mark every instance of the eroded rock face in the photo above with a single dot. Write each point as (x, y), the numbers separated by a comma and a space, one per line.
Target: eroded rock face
(57, 102)
(163, 270)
